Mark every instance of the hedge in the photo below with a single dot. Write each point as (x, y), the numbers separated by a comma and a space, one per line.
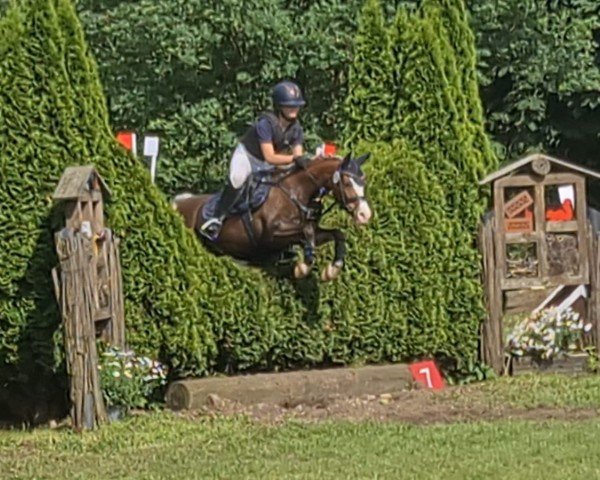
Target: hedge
(409, 286)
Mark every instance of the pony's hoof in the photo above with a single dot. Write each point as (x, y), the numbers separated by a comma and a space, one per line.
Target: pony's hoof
(331, 272)
(301, 270)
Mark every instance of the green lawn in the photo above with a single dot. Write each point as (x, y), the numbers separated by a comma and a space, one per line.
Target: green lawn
(164, 446)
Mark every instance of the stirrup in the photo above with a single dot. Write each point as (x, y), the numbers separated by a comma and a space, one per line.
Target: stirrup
(211, 228)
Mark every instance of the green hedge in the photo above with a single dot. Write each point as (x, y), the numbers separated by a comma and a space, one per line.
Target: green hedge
(434, 107)
(52, 115)
(409, 287)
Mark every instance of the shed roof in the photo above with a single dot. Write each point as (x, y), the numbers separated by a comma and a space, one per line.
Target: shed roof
(511, 167)
(75, 182)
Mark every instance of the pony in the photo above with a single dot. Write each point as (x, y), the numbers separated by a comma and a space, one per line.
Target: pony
(288, 215)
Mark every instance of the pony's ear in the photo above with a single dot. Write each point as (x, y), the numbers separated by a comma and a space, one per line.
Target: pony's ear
(346, 161)
(362, 159)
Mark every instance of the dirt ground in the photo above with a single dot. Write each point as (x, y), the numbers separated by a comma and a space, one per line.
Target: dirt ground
(419, 407)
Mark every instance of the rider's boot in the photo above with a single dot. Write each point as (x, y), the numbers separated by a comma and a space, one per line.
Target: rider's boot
(212, 227)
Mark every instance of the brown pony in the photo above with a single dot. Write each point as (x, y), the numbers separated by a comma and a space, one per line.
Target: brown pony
(290, 215)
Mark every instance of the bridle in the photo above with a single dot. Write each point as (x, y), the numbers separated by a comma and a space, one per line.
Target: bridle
(347, 201)
(314, 210)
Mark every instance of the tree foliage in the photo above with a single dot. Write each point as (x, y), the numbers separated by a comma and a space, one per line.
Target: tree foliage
(200, 71)
(539, 73)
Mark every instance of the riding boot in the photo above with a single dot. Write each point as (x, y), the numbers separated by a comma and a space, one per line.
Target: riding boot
(212, 227)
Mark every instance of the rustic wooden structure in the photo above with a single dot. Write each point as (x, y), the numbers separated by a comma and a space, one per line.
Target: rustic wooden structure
(537, 237)
(88, 288)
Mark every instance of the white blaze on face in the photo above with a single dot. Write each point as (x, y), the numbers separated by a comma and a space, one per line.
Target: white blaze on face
(363, 213)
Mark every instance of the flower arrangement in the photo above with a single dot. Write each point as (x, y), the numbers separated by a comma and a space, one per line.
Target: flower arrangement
(548, 334)
(127, 380)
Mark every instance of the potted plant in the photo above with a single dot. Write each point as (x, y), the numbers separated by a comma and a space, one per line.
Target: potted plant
(128, 381)
(547, 336)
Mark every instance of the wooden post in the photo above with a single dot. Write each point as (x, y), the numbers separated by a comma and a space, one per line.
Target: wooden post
(116, 335)
(491, 328)
(594, 294)
(74, 285)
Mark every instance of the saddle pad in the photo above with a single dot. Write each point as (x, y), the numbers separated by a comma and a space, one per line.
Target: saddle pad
(258, 196)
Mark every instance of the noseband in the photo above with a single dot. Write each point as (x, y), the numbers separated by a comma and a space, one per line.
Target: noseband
(347, 201)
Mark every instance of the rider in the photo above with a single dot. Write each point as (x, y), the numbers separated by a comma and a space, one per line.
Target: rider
(275, 139)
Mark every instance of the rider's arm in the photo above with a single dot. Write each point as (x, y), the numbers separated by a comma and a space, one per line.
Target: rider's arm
(297, 150)
(265, 137)
(270, 156)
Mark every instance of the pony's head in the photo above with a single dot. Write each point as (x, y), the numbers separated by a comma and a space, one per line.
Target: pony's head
(348, 185)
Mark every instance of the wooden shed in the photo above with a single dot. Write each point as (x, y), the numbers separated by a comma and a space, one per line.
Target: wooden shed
(535, 241)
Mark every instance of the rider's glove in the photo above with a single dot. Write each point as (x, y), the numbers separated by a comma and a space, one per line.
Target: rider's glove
(302, 160)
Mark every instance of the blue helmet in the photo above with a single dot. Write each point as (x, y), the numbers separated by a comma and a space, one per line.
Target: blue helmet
(287, 94)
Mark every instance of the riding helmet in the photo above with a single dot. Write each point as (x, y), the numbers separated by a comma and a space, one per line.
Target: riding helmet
(287, 94)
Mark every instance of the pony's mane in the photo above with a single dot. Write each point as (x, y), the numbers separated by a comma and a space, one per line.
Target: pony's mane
(322, 158)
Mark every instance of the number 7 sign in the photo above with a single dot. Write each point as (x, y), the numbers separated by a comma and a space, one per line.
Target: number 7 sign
(427, 374)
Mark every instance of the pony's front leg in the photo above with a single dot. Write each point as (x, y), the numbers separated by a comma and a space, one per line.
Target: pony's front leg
(333, 270)
(303, 267)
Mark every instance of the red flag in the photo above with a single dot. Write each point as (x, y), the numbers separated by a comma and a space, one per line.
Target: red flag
(128, 140)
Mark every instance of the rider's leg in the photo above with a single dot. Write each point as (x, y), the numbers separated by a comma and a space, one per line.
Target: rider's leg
(239, 171)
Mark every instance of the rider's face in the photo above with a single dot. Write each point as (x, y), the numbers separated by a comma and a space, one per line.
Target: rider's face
(290, 112)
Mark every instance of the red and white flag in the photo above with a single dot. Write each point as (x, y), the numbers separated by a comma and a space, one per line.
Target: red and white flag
(128, 140)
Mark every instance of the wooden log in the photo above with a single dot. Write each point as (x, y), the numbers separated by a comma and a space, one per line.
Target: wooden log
(541, 166)
(291, 388)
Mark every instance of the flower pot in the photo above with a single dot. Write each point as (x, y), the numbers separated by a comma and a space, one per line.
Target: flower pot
(568, 363)
(117, 412)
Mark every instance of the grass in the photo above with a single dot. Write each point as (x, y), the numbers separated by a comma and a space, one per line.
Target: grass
(166, 446)
(531, 391)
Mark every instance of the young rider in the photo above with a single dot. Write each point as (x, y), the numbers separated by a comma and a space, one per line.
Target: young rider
(276, 139)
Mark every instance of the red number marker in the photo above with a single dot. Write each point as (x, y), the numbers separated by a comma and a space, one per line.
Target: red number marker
(427, 374)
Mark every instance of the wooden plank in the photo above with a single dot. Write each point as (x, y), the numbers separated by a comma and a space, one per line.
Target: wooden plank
(562, 178)
(522, 180)
(548, 282)
(583, 226)
(562, 227)
(511, 238)
(491, 350)
(518, 301)
(498, 231)
(594, 292)
(116, 288)
(540, 219)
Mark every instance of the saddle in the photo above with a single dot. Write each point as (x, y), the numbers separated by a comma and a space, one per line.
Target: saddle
(255, 194)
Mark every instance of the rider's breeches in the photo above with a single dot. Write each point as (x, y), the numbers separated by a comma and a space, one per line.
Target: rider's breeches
(242, 165)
